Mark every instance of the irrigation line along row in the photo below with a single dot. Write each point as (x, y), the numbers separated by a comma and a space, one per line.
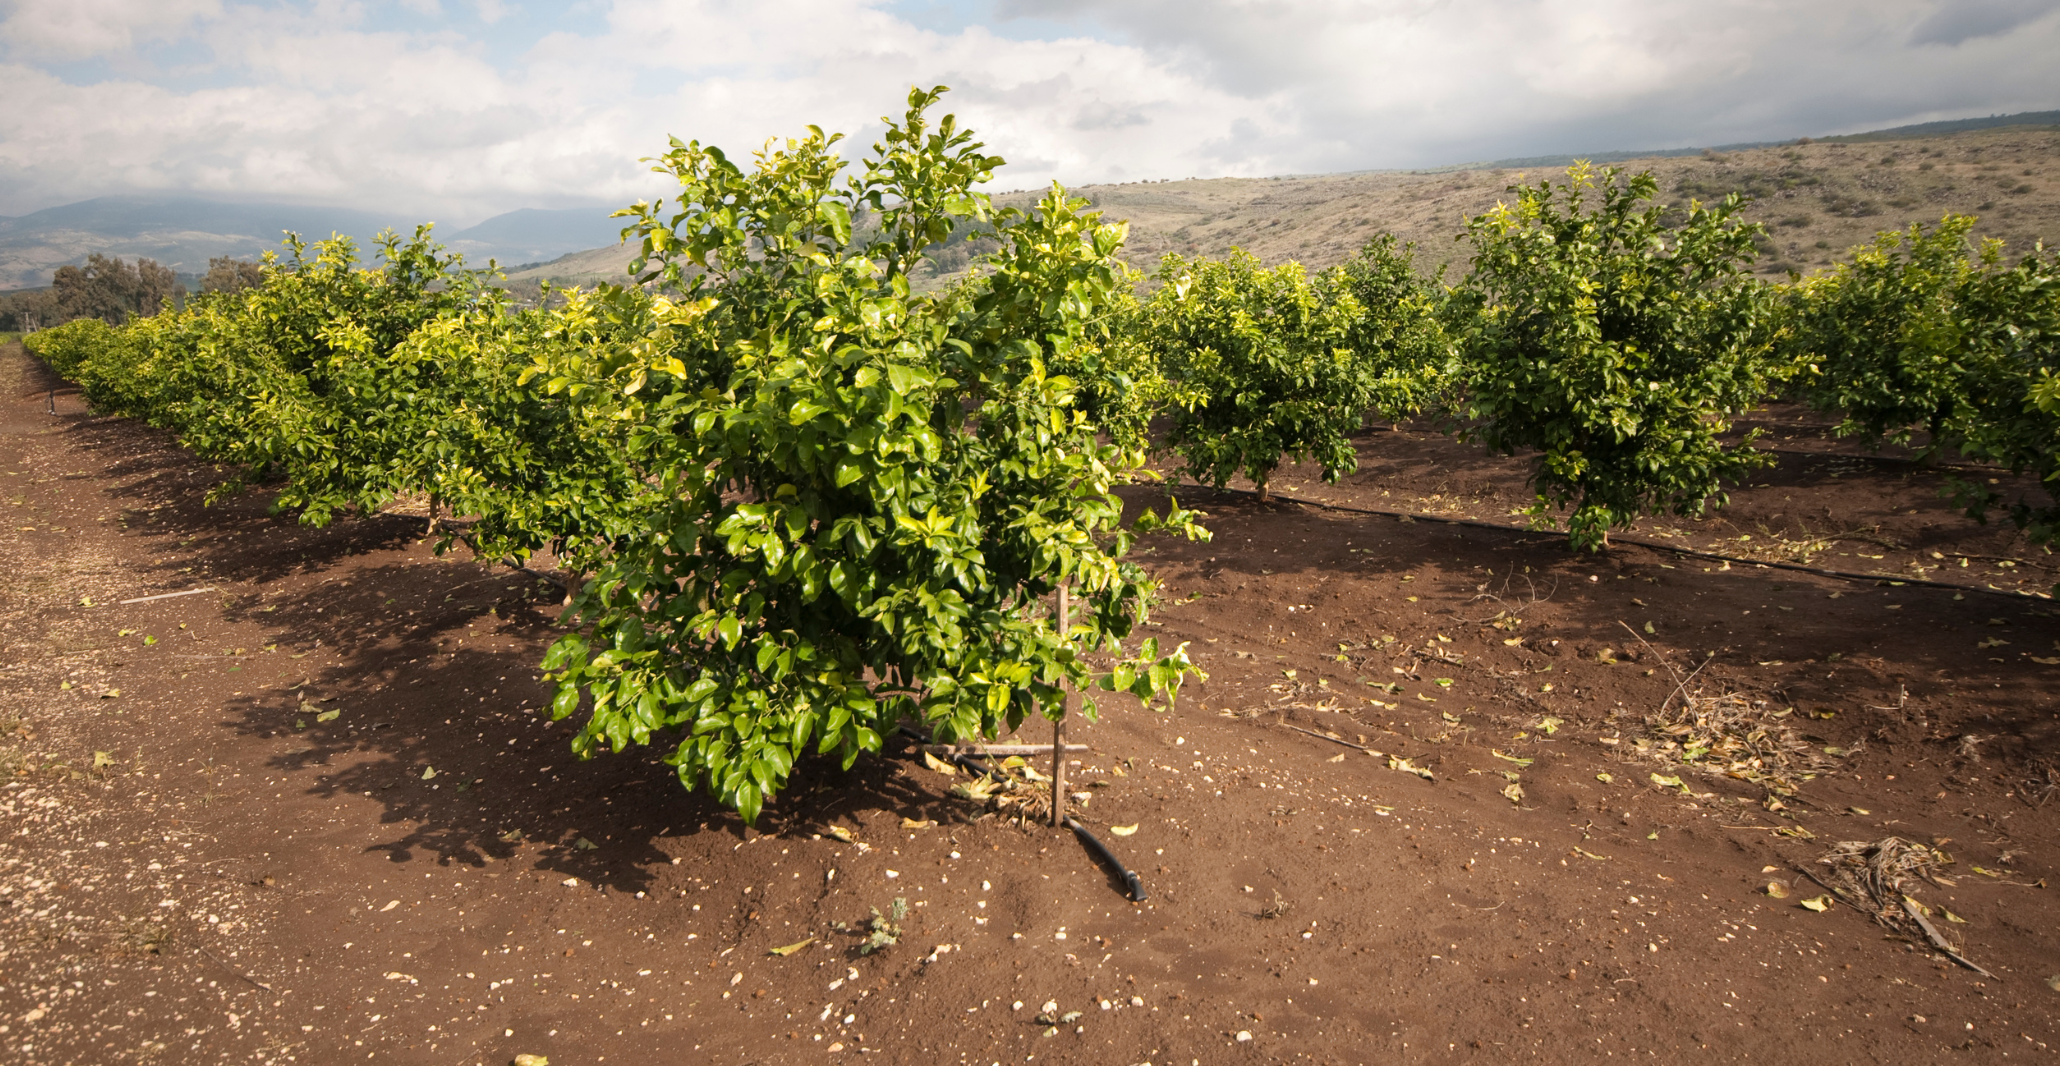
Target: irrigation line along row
(1846, 575)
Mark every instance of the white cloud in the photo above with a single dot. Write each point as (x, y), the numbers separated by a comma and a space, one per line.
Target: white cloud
(430, 110)
(78, 29)
(1957, 21)
(1418, 82)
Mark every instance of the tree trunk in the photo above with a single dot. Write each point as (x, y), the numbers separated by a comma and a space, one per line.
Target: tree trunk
(1058, 727)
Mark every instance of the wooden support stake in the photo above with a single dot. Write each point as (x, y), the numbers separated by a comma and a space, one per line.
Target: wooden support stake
(1058, 727)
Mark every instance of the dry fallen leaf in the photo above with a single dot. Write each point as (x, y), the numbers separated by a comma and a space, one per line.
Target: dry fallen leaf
(1122, 830)
(1515, 793)
(790, 949)
(1407, 767)
(939, 765)
(916, 823)
(842, 834)
(1777, 890)
(1818, 903)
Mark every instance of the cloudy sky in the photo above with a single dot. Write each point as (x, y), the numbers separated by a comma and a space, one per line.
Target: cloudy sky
(459, 109)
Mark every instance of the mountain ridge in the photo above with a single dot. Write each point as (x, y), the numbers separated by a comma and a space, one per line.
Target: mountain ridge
(581, 246)
(184, 232)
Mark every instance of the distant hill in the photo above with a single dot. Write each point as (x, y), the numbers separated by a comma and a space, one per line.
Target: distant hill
(1817, 200)
(180, 232)
(530, 236)
(185, 232)
(1897, 133)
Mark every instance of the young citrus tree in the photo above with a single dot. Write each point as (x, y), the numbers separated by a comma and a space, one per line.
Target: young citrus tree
(352, 386)
(859, 498)
(1887, 337)
(1615, 344)
(1264, 361)
(1401, 336)
(2011, 320)
(290, 379)
(1925, 331)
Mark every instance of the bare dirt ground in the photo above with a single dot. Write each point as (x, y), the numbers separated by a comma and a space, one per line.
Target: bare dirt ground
(311, 815)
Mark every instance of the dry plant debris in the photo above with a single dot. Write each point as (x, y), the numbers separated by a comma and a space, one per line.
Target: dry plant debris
(1734, 735)
(1873, 878)
(1014, 790)
(1730, 733)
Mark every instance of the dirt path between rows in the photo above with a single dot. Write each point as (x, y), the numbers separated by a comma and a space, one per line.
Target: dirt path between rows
(309, 813)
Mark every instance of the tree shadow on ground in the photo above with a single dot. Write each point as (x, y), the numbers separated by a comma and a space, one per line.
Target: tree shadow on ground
(435, 668)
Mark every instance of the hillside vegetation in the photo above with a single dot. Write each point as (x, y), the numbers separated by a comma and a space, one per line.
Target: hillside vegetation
(1817, 200)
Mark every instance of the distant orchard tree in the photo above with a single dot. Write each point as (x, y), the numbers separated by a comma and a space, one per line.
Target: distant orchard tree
(229, 274)
(113, 291)
(27, 312)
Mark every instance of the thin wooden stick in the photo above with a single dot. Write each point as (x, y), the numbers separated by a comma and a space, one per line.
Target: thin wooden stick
(1334, 740)
(978, 750)
(1058, 725)
(1931, 933)
(168, 595)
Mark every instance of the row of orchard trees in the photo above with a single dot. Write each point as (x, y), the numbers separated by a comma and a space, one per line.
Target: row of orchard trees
(1615, 340)
(812, 502)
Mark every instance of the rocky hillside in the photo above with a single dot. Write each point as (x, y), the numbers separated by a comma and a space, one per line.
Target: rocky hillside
(1817, 200)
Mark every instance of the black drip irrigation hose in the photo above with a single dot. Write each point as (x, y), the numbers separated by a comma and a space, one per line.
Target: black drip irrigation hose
(1846, 575)
(963, 760)
(1109, 859)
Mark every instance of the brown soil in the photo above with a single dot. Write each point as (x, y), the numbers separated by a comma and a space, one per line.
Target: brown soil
(202, 867)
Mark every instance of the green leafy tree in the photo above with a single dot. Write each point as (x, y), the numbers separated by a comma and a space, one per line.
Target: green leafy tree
(861, 498)
(1264, 362)
(1885, 336)
(352, 386)
(1927, 332)
(227, 273)
(1401, 337)
(110, 289)
(1615, 343)
(447, 413)
(2011, 416)
(1122, 384)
